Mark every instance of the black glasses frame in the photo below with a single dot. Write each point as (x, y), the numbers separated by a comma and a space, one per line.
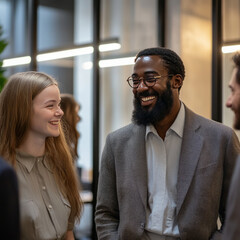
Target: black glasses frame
(134, 82)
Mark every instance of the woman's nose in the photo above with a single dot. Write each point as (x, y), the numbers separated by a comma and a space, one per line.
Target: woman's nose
(59, 112)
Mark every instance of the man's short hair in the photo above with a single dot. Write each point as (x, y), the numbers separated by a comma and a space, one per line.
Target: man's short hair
(236, 60)
(170, 59)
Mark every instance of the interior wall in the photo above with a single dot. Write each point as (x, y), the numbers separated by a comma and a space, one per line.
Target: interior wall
(196, 52)
(196, 45)
(231, 20)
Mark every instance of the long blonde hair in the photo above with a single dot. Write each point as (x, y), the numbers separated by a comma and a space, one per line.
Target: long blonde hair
(15, 114)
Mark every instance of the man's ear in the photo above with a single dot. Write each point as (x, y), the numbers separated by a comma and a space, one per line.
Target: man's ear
(177, 81)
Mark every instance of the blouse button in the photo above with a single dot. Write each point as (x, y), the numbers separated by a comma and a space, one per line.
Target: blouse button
(50, 206)
(43, 188)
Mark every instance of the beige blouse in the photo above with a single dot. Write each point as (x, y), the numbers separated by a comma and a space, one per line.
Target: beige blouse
(44, 212)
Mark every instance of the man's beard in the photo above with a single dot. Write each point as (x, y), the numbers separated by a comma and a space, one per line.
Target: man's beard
(143, 116)
(236, 124)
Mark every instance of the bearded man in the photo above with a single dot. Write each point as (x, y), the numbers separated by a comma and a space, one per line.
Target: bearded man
(166, 175)
(231, 229)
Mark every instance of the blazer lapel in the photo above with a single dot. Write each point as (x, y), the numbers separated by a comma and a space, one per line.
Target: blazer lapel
(191, 148)
(138, 161)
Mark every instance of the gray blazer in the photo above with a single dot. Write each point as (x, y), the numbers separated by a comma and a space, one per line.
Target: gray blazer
(232, 227)
(208, 154)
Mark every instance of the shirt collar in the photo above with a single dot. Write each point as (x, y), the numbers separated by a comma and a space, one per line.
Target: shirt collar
(177, 126)
(29, 161)
(150, 129)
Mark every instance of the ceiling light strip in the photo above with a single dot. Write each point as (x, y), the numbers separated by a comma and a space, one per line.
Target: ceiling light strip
(60, 54)
(16, 61)
(231, 48)
(64, 54)
(109, 47)
(116, 62)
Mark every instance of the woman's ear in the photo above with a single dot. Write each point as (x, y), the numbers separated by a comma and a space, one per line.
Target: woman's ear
(177, 81)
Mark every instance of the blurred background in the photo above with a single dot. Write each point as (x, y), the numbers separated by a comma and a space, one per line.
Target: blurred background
(89, 47)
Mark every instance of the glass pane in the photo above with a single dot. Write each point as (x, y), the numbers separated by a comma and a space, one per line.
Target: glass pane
(55, 24)
(13, 18)
(82, 89)
(231, 20)
(82, 78)
(134, 24)
(62, 70)
(191, 36)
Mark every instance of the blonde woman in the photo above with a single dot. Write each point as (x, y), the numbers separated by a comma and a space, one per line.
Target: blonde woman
(32, 140)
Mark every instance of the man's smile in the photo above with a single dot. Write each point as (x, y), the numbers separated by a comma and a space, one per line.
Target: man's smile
(145, 99)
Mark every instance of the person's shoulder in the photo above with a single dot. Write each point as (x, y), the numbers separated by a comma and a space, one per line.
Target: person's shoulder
(4, 164)
(5, 168)
(207, 123)
(126, 132)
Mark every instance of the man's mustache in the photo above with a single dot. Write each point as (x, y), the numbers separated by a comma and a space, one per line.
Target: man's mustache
(146, 94)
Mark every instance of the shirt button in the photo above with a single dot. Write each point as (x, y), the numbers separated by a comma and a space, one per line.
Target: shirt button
(142, 226)
(43, 188)
(50, 206)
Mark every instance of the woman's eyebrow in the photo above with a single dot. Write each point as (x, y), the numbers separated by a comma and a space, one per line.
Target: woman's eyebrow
(50, 101)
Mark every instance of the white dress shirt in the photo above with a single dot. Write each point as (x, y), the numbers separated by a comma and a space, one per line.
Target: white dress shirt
(162, 162)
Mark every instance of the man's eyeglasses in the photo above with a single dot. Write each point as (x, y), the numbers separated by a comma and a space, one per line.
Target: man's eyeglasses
(134, 82)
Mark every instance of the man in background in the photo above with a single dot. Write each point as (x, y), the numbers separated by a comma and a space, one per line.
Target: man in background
(232, 226)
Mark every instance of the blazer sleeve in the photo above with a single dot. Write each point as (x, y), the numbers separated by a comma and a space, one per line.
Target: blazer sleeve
(107, 209)
(231, 154)
(231, 229)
